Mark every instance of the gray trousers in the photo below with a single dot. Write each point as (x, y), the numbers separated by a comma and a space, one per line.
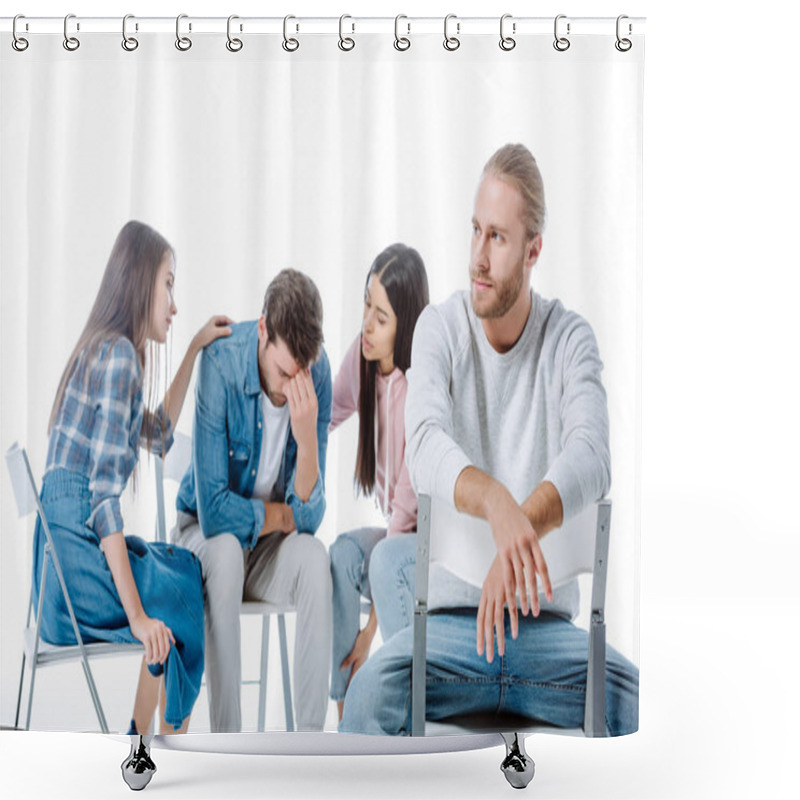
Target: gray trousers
(283, 569)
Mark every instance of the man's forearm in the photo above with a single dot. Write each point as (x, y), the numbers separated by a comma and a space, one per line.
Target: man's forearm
(477, 493)
(305, 477)
(543, 508)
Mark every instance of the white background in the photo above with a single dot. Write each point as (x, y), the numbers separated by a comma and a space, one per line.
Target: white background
(719, 607)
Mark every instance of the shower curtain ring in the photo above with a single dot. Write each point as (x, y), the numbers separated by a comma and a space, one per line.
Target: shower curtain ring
(561, 43)
(507, 42)
(623, 45)
(401, 42)
(19, 43)
(451, 42)
(70, 42)
(289, 44)
(129, 43)
(183, 43)
(346, 43)
(233, 44)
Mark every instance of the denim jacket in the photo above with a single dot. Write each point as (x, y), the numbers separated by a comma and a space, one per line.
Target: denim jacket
(226, 443)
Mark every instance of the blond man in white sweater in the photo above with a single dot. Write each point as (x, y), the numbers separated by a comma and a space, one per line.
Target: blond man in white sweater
(506, 420)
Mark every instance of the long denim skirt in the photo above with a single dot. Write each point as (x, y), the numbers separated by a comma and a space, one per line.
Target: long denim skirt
(168, 579)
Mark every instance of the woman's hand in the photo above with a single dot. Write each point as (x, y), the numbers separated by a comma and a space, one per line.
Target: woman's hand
(155, 636)
(360, 652)
(216, 327)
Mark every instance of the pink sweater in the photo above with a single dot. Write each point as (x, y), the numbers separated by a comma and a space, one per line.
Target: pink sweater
(392, 485)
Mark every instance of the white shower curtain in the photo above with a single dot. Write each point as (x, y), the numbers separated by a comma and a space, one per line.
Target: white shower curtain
(317, 159)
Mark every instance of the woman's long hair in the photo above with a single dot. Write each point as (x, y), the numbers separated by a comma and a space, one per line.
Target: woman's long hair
(122, 308)
(401, 272)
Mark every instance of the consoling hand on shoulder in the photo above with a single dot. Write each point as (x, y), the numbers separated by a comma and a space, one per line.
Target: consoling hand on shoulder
(216, 327)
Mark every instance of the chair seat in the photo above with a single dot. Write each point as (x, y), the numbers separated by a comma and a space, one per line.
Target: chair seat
(52, 653)
(262, 608)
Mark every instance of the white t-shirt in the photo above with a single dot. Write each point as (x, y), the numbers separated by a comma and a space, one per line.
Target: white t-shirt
(273, 445)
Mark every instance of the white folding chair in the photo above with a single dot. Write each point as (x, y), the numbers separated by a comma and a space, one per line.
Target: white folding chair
(579, 546)
(36, 652)
(174, 468)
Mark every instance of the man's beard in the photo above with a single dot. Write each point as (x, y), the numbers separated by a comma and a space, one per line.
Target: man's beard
(506, 294)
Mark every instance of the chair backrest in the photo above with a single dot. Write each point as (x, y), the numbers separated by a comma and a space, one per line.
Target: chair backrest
(178, 458)
(22, 481)
(173, 468)
(464, 545)
(27, 500)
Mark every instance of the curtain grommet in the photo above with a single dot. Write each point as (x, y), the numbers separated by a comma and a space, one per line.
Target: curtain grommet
(561, 43)
(507, 43)
(19, 43)
(129, 43)
(233, 44)
(451, 43)
(71, 43)
(289, 44)
(346, 43)
(183, 43)
(401, 43)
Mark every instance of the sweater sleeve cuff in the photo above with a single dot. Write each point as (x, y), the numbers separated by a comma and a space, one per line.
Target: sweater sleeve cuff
(568, 485)
(452, 464)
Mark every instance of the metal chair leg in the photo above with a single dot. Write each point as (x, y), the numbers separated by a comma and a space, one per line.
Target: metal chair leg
(138, 768)
(101, 717)
(517, 766)
(287, 681)
(19, 692)
(30, 695)
(262, 682)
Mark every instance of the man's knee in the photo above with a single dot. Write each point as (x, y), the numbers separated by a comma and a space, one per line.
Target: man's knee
(313, 564)
(223, 569)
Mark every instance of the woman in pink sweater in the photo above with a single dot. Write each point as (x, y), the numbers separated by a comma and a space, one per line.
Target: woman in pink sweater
(372, 382)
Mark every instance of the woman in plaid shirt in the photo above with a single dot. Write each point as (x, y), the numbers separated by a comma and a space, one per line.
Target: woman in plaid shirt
(122, 588)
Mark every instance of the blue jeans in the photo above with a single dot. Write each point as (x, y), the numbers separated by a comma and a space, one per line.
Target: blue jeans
(542, 675)
(391, 575)
(168, 580)
(365, 563)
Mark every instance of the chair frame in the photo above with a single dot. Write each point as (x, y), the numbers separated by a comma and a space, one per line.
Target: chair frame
(36, 652)
(595, 706)
(249, 608)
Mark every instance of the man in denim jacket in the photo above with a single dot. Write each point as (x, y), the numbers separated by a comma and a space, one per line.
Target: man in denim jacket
(256, 486)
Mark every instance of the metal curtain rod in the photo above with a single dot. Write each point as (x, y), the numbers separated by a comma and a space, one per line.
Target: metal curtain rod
(321, 25)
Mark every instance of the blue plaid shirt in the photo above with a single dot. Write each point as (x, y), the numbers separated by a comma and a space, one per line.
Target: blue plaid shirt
(97, 430)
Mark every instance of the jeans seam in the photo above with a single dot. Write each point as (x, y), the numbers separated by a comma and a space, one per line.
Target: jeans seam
(561, 687)
(461, 679)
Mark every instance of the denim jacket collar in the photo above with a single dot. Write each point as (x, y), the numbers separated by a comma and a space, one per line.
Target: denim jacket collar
(252, 378)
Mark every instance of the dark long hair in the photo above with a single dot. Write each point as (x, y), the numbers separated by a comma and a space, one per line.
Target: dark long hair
(401, 272)
(122, 306)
